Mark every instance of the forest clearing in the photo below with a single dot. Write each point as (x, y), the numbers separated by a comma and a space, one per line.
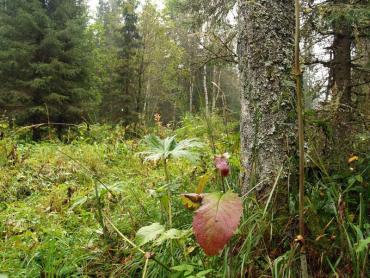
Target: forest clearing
(175, 138)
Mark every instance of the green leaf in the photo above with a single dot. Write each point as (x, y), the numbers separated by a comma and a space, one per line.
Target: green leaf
(148, 233)
(161, 149)
(80, 201)
(362, 245)
(216, 221)
(351, 181)
(204, 273)
(186, 268)
(172, 234)
(359, 178)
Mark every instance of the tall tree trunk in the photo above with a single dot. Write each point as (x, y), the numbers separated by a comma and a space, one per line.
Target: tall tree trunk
(341, 91)
(267, 101)
(191, 90)
(341, 63)
(206, 102)
(205, 88)
(216, 93)
(361, 87)
(214, 81)
(146, 98)
(141, 73)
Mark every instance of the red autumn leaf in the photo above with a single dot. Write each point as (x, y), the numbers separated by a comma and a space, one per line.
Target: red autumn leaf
(216, 220)
(222, 165)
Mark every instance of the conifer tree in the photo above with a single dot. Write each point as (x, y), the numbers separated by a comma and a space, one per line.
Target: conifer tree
(45, 61)
(127, 72)
(121, 40)
(23, 25)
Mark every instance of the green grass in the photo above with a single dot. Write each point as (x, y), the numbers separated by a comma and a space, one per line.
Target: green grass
(50, 224)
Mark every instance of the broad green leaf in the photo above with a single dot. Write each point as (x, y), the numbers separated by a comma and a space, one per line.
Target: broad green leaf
(163, 149)
(216, 220)
(186, 268)
(204, 273)
(362, 245)
(171, 234)
(148, 233)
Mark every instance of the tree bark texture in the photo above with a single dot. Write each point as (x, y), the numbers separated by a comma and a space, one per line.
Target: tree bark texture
(342, 123)
(265, 46)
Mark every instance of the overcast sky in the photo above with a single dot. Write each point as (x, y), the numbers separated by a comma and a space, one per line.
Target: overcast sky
(94, 3)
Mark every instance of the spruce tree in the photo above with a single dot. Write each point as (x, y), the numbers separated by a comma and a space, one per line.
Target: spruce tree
(120, 84)
(23, 25)
(127, 72)
(45, 62)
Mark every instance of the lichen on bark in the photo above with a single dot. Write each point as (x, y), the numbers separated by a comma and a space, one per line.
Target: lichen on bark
(265, 46)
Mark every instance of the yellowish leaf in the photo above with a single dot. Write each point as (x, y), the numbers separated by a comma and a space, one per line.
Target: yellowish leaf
(353, 158)
(191, 201)
(202, 183)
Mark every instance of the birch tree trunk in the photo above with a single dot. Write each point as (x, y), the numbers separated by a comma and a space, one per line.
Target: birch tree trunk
(205, 88)
(214, 81)
(206, 101)
(266, 35)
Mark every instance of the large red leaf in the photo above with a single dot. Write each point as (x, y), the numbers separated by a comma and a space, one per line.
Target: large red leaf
(216, 220)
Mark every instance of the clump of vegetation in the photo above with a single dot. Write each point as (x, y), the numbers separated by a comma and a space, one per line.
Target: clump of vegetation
(50, 222)
(136, 142)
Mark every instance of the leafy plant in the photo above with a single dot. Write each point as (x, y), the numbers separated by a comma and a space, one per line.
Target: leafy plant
(218, 215)
(158, 149)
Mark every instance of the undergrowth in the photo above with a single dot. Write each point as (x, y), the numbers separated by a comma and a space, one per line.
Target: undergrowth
(64, 207)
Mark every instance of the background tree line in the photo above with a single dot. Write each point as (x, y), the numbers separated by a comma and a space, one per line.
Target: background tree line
(59, 65)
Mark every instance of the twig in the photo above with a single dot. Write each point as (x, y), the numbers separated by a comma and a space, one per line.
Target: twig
(298, 77)
(272, 191)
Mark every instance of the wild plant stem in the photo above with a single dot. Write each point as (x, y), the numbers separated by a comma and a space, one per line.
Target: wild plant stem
(169, 204)
(100, 211)
(298, 78)
(166, 174)
(134, 245)
(223, 183)
(145, 268)
(168, 193)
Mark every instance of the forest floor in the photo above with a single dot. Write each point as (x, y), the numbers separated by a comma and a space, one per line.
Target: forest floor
(49, 223)
(65, 209)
